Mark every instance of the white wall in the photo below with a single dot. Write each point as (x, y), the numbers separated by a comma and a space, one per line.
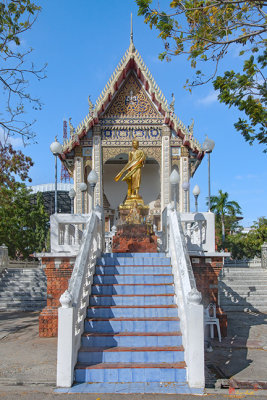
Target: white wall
(116, 191)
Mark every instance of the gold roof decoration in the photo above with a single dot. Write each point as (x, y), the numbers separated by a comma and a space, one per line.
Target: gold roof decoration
(132, 60)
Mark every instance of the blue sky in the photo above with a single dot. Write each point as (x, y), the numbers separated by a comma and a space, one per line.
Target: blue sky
(82, 42)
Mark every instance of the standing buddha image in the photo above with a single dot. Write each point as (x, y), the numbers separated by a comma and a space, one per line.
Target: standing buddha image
(131, 174)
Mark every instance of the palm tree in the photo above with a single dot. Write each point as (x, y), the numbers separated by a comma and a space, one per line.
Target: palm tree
(222, 207)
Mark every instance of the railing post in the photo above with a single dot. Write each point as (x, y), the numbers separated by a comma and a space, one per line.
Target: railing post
(65, 342)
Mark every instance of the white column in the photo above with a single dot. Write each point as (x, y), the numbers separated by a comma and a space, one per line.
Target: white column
(97, 165)
(165, 167)
(184, 198)
(78, 178)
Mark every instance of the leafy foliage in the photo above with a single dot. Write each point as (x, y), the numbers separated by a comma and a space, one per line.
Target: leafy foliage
(248, 245)
(16, 17)
(23, 225)
(226, 212)
(13, 164)
(205, 30)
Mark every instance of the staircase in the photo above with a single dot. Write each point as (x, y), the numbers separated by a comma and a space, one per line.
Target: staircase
(242, 289)
(23, 289)
(132, 336)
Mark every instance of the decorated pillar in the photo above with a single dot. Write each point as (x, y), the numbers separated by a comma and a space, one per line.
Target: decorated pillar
(97, 165)
(184, 196)
(165, 167)
(78, 178)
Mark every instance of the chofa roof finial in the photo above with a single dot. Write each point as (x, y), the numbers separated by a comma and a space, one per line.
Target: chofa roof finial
(132, 48)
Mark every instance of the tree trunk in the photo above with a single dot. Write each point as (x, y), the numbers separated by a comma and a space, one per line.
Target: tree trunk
(223, 231)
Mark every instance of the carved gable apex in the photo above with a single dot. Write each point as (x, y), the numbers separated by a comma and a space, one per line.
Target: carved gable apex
(132, 91)
(131, 100)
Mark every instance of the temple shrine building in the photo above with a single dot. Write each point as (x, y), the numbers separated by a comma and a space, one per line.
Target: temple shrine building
(131, 106)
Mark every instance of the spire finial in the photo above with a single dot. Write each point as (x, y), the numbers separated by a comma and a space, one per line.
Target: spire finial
(132, 48)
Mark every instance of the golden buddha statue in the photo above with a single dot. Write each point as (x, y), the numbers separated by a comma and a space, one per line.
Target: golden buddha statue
(132, 171)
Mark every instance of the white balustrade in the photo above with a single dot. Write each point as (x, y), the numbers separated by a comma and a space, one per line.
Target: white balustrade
(188, 298)
(199, 231)
(67, 231)
(74, 301)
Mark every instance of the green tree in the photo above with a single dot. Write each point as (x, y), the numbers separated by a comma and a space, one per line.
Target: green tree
(249, 245)
(16, 69)
(205, 30)
(225, 211)
(23, 225)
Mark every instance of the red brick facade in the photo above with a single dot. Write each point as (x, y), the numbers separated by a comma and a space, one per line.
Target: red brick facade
(58, 273)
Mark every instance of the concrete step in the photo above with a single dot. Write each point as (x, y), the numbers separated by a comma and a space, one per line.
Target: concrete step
(134, 261)
(133, 270)
(142, 339)
(243, 292)
(131, 372)
(132, 311)
(137, 300)
(132, 289)
(133, 278)
(154, 354)
(132, 324)
(241, 308)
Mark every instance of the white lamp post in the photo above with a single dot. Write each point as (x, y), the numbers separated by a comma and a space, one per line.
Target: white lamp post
(196, 192)
(92, 180)
(83, 188)
(174, 181)
(72, 195)
(208, 146)
(56, 149)
(185, 186)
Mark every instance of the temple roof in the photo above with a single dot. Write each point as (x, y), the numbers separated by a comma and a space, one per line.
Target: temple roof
(132, 61)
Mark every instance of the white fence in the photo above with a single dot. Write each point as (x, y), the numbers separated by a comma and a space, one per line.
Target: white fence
(66, 231)
(188, 298)
(74, 300)
(199, 231)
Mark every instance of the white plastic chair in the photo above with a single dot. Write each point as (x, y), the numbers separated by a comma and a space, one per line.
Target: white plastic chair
(211, 320)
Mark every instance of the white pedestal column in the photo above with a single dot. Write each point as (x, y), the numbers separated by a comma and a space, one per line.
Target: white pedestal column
(78, 178)
(184, 197)
(165, 167)
(97, 165)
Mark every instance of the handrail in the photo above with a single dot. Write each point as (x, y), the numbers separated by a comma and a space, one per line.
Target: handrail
(74, 300)
(188, 299)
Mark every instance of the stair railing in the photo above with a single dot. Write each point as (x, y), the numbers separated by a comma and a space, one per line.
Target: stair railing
(74, 301)
(188, 299)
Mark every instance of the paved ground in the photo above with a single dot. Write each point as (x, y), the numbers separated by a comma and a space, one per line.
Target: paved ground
(28, 363)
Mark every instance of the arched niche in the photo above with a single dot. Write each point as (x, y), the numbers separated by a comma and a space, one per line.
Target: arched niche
(115, 192)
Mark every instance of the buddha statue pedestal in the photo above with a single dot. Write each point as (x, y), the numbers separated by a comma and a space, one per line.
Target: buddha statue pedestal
(133, 211)
(134, 238)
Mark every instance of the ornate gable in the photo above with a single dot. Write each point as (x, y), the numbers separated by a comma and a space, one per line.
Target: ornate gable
(131, 101)
(132, 93)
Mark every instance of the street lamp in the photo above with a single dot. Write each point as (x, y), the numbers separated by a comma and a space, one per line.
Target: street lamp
(196, 192)
(174, 181)
(208, 146)
(56, 149)
(72, 195)
(83, 188)
(92, 180)
(185, 186)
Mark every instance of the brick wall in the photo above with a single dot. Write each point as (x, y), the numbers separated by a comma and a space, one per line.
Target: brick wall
(58, 273)
(206, 271)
